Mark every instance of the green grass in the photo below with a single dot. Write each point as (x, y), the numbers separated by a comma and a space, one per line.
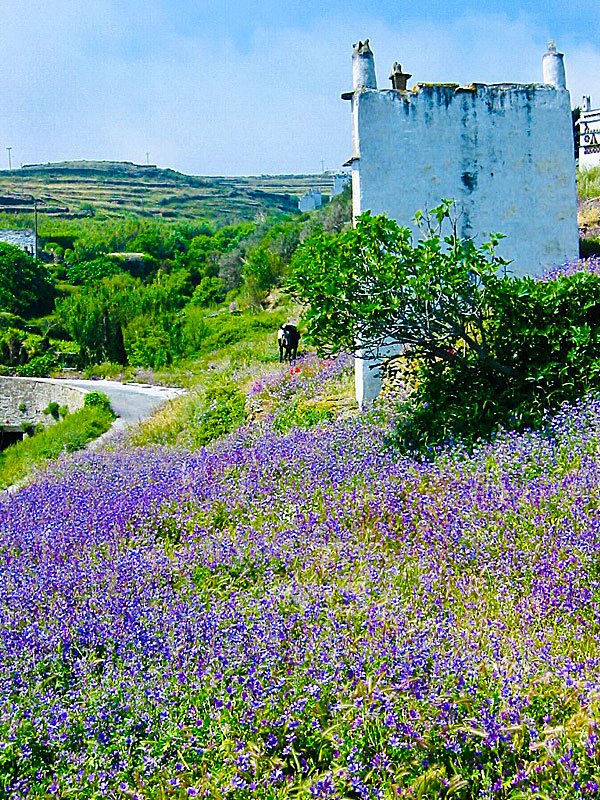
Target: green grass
(588, 183)
(19, 460)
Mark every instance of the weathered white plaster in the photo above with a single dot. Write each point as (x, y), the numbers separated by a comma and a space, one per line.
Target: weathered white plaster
(553, 67)
(363, 67)
(503, 153)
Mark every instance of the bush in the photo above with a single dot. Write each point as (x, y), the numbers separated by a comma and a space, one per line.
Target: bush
(39, 367)
(52, 410)
(97, 400)
(548, 335)
(224, 410)
(92, 271)
(25, 285)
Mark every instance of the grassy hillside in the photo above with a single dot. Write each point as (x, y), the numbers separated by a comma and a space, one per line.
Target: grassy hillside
(114, 189)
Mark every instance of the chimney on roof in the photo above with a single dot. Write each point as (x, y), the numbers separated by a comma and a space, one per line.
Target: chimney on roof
(553, 67)
(363, 66)
(398, 78)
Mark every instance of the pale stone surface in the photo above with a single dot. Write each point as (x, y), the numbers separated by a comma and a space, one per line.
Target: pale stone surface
(35, 394)
(503, 153)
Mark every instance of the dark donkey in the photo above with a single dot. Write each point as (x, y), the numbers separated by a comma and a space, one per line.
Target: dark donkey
(288, 338)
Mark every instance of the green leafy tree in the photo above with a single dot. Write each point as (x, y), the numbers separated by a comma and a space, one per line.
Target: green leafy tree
(95, 317)
(491, 350)
(374, 285)
(25, 285)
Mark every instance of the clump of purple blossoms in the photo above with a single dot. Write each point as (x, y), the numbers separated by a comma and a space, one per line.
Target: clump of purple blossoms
(590, 265)
(306, 612)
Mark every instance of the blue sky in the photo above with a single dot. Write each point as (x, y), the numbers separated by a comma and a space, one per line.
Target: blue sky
(241, 87)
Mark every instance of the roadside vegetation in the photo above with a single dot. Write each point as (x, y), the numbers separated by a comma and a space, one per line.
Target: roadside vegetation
(45, 443)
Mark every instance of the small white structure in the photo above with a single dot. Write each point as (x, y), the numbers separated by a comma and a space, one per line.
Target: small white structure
(589, 134)
(25, 239)
(502, 152)
(310, 201)
(340, 181)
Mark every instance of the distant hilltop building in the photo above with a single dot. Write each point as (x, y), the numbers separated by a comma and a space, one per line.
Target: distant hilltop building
(310, 201)
(589, 134)
(502, 152)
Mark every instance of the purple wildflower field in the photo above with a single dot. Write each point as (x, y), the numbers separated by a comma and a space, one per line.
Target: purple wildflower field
(306, 615)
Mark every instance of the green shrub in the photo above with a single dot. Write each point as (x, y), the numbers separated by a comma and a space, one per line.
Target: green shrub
(63, 411)
(588, 183)
(97, 400)
(224, 410)
(548, 336)
(39, 367)
(52, 410)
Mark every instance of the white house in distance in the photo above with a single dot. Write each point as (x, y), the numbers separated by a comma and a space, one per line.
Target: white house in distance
(503, 152)
(310, 201)
(589, 134)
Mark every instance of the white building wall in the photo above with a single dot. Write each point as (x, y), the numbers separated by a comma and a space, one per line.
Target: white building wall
(504, 153)
(589, 135)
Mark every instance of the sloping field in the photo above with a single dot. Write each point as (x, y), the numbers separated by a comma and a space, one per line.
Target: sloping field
(114, 189)
(306, 615)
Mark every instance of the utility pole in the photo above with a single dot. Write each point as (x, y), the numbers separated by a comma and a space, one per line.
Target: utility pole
(9, 161)
(35, 230)
(147, 158)
(322, 166)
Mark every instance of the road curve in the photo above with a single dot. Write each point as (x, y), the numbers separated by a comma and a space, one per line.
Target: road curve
(132, 402)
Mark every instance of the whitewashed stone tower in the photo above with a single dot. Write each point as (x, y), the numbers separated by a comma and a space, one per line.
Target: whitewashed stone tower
(502, 152)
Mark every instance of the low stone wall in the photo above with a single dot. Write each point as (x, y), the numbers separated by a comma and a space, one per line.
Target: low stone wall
(24, 400)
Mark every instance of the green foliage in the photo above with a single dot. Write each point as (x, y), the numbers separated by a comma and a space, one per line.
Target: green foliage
(25, 286)
(262, 268)
(73, 433)
(39, 367)
(493, 351)
(52, 410)
(588, 183)
(97, 400)
(92, 271)
(301, 413)
(375, 284)
(224, 410)
(546, 333)
(95, 317)
(209, 291)
(206, 334)
(154, 341)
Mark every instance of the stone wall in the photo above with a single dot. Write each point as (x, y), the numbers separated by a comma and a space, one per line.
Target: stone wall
(34, 394)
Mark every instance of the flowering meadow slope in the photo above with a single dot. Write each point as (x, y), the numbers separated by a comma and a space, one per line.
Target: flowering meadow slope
(306, 615)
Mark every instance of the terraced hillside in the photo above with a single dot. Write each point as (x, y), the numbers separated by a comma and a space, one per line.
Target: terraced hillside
(107, 188)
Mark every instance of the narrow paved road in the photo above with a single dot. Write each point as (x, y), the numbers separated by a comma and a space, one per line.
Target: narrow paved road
(131, 401)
